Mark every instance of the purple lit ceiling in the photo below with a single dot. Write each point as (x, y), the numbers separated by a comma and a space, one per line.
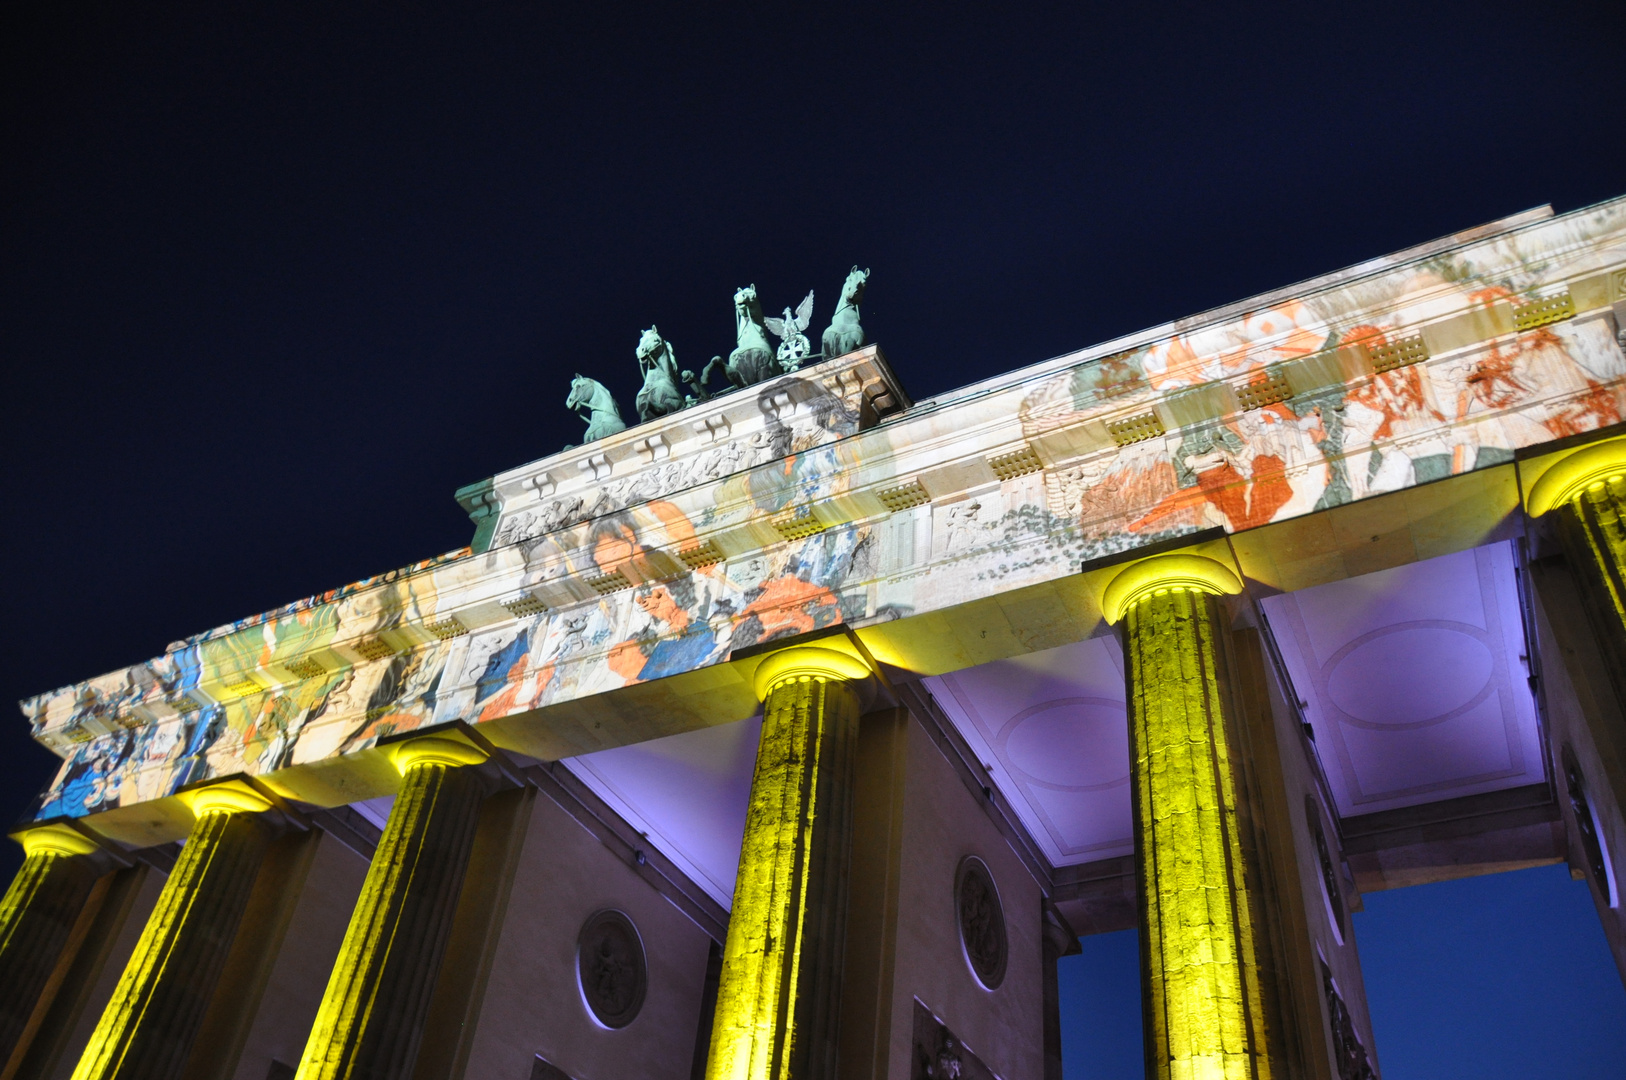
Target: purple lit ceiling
(1415, 680)
(688, 793)
(1051, 729)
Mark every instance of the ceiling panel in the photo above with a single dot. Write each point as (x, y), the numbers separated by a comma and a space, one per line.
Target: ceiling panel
(687, 793)
(1415, 680)
(1051, 728)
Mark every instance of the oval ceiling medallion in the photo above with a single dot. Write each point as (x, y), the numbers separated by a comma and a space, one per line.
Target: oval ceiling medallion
(1410, 675)
(1071, 743)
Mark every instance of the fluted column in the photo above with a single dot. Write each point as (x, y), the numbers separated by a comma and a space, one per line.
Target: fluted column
(372, 1015)
(147, 1029)
(779, 994)
(1586, 491)
(1204, 999)
(37, 917)
(1581, 496)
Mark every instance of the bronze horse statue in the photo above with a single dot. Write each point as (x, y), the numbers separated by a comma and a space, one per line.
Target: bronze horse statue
(662, 392)
(603, 416)
(844, 335)
(753, 357)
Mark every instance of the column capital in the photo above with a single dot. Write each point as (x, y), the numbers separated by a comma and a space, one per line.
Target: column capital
(833, 659)
(449, 747)
(57, 838)
(1574, 473)
(1162, 573)
(231, 796)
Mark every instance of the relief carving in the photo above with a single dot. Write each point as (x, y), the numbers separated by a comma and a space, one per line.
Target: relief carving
(964, 528)
(1586, 825)
(646, 486)
(938, 1054)
(610, 964)
(1329, 872)
(982, 922)
(1353, 1064)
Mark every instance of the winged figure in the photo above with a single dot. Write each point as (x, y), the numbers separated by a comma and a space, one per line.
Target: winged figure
(793, 346)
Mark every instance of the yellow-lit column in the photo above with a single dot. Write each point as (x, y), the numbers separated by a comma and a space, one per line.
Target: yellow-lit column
(372, 1015)
(1204, 1001)
(1583, 495)
(146, 1031)
(779, 995)
(1587, 489)
(36, 919)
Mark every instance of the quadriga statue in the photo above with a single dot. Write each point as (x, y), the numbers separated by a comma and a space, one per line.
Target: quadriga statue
(753, 357)
(662, 392)
(844, 334)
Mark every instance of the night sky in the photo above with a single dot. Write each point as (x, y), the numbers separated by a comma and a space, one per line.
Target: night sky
(275, 281)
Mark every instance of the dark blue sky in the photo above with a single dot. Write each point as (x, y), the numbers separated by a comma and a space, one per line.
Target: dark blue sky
(276, 280)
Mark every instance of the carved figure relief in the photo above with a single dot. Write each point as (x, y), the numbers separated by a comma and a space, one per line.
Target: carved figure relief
(515, 529)
(965, 528)
(1330, 885)
(982, 922)
(1587, 825)
(1353, 1063)
(938, 1054)
(801, 416)
(610, 965)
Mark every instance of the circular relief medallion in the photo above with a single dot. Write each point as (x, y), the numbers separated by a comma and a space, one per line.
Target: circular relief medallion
(610, 966)
(982, 921)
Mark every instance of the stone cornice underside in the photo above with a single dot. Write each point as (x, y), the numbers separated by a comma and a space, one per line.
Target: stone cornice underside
(621, 575)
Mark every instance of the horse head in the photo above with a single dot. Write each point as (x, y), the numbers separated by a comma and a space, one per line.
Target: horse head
(581, 392)
(746, 304)
(650, 345)
(852, 291)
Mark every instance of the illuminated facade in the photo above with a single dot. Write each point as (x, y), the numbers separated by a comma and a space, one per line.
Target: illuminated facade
(800, 732)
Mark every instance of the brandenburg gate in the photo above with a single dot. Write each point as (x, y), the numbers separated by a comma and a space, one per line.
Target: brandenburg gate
(798, 729)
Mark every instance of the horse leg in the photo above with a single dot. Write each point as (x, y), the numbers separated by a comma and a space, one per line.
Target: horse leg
(670, 400)
(705, 374)
(699, 388)
(759, 365)
(852, 339)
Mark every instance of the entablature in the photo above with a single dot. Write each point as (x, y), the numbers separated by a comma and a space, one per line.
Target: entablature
(822, 497)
